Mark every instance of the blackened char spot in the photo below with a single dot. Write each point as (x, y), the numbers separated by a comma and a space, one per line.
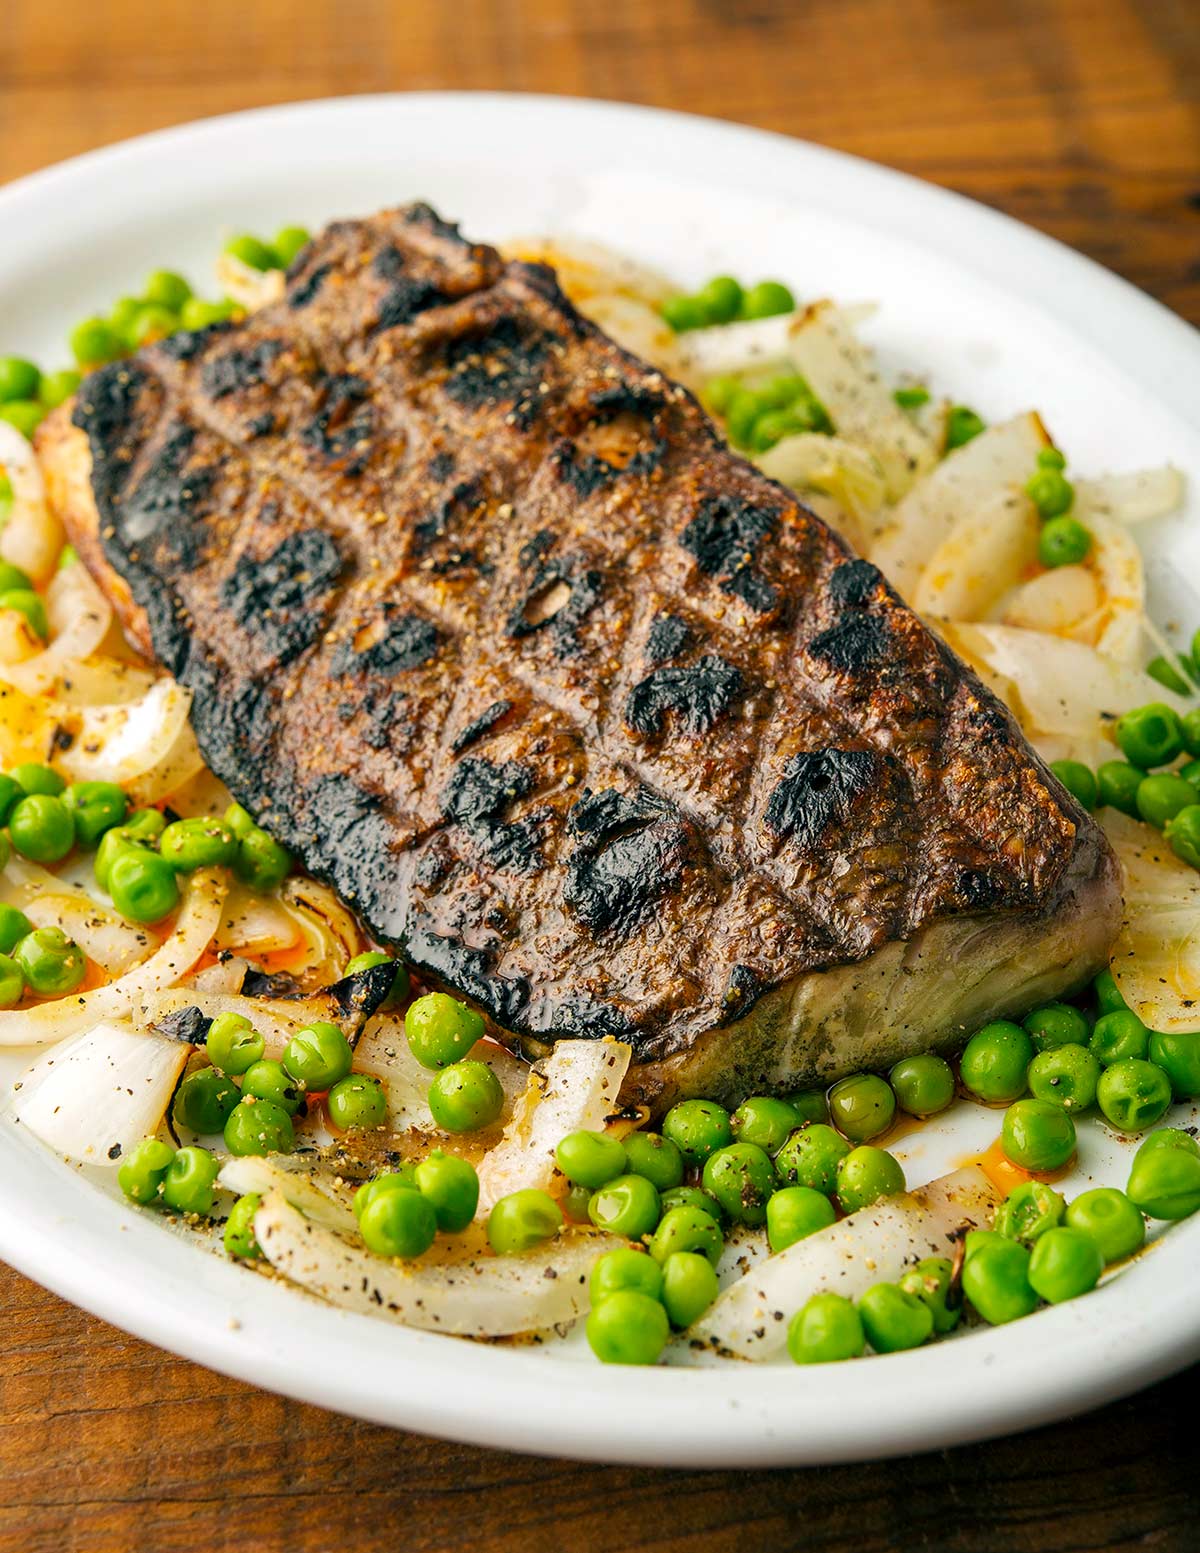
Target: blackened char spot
(441, 466)
(979, 889)
(352, 839)
(365, 991)
(468, 970)
(243, 367)
(421, 214)
(184, 344)
(818, 788)
(164, 504)
(501, 364)
(585, 588)
(404, 299)
(105, 410)
(633, 852)
(669, 635)
(284, 599)
(188, 1025)
(406, 643)
(269, 984)
(743, 987)
(588, 1018)
(588, 472)
(342, 427)
(855, 642)
(724, 537)
(478, 796)
(452, 506)
(302, 292)
(482, 724)
(853, 582)
(698, 695)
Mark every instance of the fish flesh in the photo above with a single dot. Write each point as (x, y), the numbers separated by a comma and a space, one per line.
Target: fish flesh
(601, 726)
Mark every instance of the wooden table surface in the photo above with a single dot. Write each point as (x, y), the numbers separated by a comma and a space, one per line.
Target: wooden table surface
(1080, 117)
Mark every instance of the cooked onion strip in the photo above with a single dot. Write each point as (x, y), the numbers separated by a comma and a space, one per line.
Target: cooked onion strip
(103, 935)
(1156, 958)
(293, 1175)
(79, 616)
(33, 536)
(146, 745)
(333, 935)
(275, 1019)
(1136, 497)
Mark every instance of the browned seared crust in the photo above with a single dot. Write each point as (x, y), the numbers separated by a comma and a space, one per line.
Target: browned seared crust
(485, 622)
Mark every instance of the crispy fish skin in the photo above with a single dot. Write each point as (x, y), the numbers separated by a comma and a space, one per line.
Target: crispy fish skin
(485, 622)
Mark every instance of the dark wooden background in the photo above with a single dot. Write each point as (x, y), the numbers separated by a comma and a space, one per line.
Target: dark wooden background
(1079, 116)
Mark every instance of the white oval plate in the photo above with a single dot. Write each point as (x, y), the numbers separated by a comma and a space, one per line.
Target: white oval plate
(994, 313)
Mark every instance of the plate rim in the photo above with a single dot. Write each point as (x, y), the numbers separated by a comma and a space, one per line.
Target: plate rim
(494, 1400)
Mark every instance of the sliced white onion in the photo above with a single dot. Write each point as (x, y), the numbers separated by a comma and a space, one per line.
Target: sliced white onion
(103, 935)
(987, 553)
(256, 924)
(588, 269)
(292, 1174)
(249, 287)
(850, 475)
(483, 1296)
(1135, 497)
(226, 976)
(79, 617)
(1060, 602)
(756, 346)
(174, 958)
(33, 536)
(1116, 562)
(333, 934)
(275, 1019)
(1156, 958)
(126, 744)
(574, 1089)
(383, 1052)
(874, 1245)
(95, 1097)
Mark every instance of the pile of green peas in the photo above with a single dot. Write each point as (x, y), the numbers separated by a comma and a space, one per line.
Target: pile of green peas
(757, 417)
(465, 1095)
(724, 300)
(27, 395)
(156, 1175)
(401, 1212)
(1063, 541)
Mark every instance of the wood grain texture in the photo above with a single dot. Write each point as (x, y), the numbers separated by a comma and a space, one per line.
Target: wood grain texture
(1079, 116)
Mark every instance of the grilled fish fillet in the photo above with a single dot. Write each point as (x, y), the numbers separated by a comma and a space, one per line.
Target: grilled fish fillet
(600, 725)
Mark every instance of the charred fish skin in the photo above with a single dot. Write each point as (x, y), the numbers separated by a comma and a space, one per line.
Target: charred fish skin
(605, 728)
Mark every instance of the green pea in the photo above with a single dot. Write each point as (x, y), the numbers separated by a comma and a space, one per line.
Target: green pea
(628, 1205)
(996, 1281)
(682, 313)
(1178, 1055)
(33, 778)
(1038, 1134)
(233, 1045)
(260, 862)
(1118, 1036)
(465, 1097)
(168, 289)
(931, 1282)
(51, 963)
(690, 1197)
(764, 1121)
(28, 604)
(657, 1158)
(121, 838)
(865, 1175)
(288, 242)
(1117, 783)
(19, 379)
(1189, 724)
(144, 1170)
(151, 323)
(238, 1238)
(121, 315)
(809, 1104)
(686, 1229)
(1079, 781)
(252, 251)
(623, 1269)
(689, 1287)
(811, 1157)
(767, 299)
(1028, 1211)
(12, 982)
(1168, 1138)
(962, 426)
(720, 299)
(58, 387)
(441, 1030)
(14, 580)
(145, 824)
(719, 391)
(627, 1328)
(14, 925)
(402, 1179)
(976, 1239)
(401, 1223)
(911, 397)
(26, 415)
(1133, 1094)
(452, 1186)
(1066, 1076)
(1064, 1264)
(697, 1128)
(825, 1330)
(317, 1056)
(590, 1159)
(142, 885)
(41, 828)
(1050, 492)
(794, 1213)
(1165, 1182)
(741, 1178)
(994, 1061)
(357, 1103)
(373, 957)
(525, 1219)
(741, 413)
(1110, 1219)
(1168, 675)
(196, 314)
(1051, 458)
(894, 1320)
(258, 1127)
(93, 343)
(1161, 797)
(1182, 831)
(773, 426)
(95, 808)
(204, 1101)
(188, 1184)
(862, 1106)
(923, 1085)
(197, 843)
(267, 1080)
(1150, 735)
(240, 821)
(1063, 542)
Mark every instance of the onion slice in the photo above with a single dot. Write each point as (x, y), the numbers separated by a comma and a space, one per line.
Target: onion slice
(194, 928)
(293, 1176)
(482, 1296)
(97, 1096)
(125, 744)
(33, 536)
(79, 617)
(574, 1089)
(874, 1245)
(103, 935)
